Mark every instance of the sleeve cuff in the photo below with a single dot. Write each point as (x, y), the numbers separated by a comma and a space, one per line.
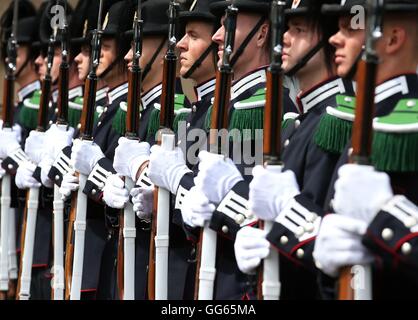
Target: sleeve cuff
(13, 161)
(61, 166)
(97, 179)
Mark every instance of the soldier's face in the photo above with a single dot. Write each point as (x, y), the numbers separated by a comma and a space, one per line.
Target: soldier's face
(22, 55)
(245, 23)
(108, 54)
(83, 62)
(150, 45)
(197, 39)
(348, 43)
(55, 70)
(41, 66)
(297, 41)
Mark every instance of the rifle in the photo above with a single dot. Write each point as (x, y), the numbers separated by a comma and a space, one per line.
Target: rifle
(158, 254)
(33, 193)
(77, 224)
(7, 117)
(268, 283)
(363, 130)
(126, 251)
(206, 251)
(62, 122)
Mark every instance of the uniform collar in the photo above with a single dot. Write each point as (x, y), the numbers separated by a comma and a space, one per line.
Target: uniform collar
(75, 92)
(206, 89)
(151, 95)
(250, 80)
(117, 92)
(101, 94)
(311, 98)
(391, 87)
(28, 89)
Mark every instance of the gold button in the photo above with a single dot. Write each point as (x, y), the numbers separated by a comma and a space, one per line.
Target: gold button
(387, 234)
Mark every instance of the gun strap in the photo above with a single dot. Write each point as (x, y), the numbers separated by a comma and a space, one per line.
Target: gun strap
(302, 62)
(246, 41)
(147, 68)
(199, 61)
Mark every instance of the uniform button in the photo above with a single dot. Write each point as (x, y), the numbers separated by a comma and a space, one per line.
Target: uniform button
(284, 240)
(99, 123)
(57, 177)
(297, 123)
(311, 217)
(299, 231)
(406, 248)
(286, 143)
(348, 99)
(309, 227)
(194, 108)
(10, 166)
(411, 103)
(225, 229)
(350, 151)
(93, 191)
(239, 218)
(318, 264)
(79, 126)
(387, 234)
(178, 143)
(410, 222)
(188, 124)
(300, 253)
(50, 122)
(105, 110)
(56, 110)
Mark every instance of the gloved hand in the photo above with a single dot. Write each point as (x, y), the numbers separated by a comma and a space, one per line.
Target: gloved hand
(360, 192)
(270, 192)
(143, 200)
(17, 129)
(36, 146)
(250, 248)
(24, 176)
(57, 138)
(2, 171)
(166, 168)
(45, 165)
(69, 183)
(114, 193)
(217, 175)
(196, 208)
(8, 144)
(129, 156)
(85, 155)
(338, 244)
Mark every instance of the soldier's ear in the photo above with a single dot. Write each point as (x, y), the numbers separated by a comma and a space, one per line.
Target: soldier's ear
(396, 39)
(263, 35)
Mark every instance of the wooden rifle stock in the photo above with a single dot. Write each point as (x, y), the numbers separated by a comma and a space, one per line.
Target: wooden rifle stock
(69, 246)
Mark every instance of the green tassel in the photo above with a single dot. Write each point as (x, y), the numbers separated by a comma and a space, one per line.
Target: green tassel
(28, 115)
(333, 134)
(119, 122)
(208, 118)
(74, 117)
(395, 152)
(153, 123)
(182, 116)
(249, 119)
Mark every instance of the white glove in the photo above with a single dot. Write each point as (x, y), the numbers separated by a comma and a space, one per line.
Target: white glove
(2, 171)
(166, 168)
(270, 192)
(129, 156)
(24, 176)
(85, 155)
(8, 144)
(143, 200)
(17, 129)
(338, 244)
(57, 138)
(45, 165)
(69, 183)
(250, 248)
(196, 208)
(36, 146)
(217, 175)
(360, 192)
(114, 193)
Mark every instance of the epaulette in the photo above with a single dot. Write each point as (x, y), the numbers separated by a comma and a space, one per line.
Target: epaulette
(395, 139)
(75, 108)
(335, 126)
(119, 120)
(28, 115)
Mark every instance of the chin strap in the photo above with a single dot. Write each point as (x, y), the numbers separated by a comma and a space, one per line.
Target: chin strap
(246, 41)
(22, 67)
(199, 61)
(302, 62)
(151, 62)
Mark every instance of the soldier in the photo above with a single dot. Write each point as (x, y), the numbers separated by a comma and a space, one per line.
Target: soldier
(383, 225)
